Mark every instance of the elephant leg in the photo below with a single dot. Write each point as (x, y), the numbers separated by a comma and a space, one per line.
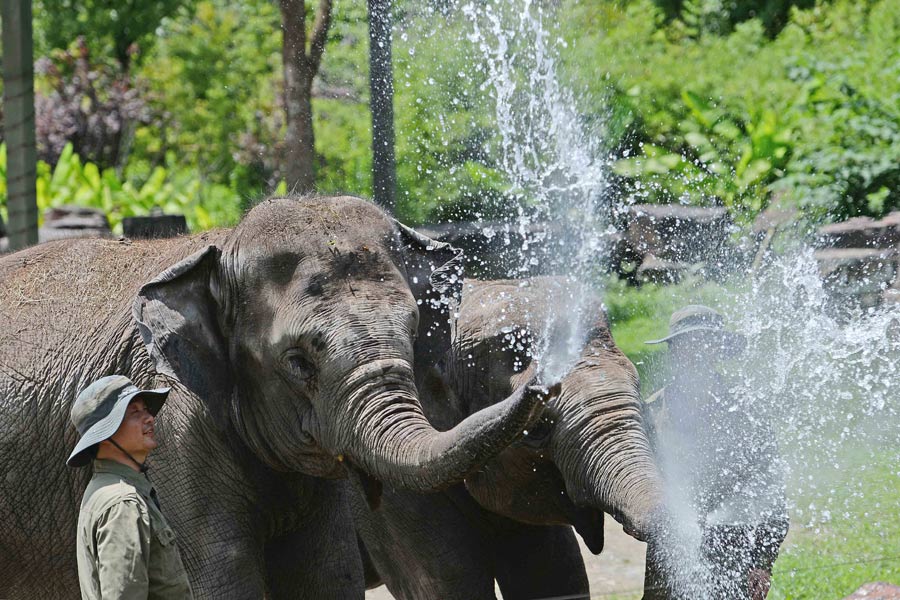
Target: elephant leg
(320, 559)
(535, 561)
(428, 546)
(225, 558)
(233, 568)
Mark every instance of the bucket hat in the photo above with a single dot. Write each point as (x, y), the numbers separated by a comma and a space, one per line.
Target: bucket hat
(695, 317)
(100, 408)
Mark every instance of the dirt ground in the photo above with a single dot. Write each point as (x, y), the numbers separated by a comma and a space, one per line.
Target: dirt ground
(617, 573)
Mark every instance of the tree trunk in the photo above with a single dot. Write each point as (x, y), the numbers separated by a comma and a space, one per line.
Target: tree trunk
(18, 102)
(381, 85)
(300, 67)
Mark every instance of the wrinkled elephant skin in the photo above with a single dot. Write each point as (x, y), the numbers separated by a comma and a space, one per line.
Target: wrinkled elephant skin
(289, 342)
(589, 455)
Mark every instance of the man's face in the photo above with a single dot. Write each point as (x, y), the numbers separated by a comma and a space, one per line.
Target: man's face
(697, 351)
(136, 434)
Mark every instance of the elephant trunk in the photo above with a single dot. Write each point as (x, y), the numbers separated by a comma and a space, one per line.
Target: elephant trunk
(388, 436)
(603, 451)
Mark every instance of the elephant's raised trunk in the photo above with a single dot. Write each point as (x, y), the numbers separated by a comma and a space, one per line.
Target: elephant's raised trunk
(601, 447)
(390, 438)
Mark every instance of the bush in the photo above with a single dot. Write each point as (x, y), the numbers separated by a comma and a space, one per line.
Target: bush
(809, 117)
(215, 85)
(211, 82)
(113, 29)
(175, 191)
(86, 103)
(720, 16)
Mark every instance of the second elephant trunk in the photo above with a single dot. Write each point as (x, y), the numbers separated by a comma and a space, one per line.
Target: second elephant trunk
(601, 447)
(388, 436)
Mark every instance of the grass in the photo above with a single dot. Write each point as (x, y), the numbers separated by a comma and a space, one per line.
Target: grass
(860, 544)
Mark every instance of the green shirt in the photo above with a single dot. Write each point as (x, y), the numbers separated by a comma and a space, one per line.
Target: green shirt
(125, 547)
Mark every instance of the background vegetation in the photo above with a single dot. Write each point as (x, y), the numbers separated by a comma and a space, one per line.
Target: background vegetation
(735, 102)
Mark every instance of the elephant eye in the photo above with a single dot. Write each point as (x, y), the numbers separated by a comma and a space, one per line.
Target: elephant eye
(301, 367)
(538, 433)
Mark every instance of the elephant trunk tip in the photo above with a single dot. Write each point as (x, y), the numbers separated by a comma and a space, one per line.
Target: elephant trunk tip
(649, 525)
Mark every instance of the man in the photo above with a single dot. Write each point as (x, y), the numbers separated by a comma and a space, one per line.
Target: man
(125, 547)
(719, 462)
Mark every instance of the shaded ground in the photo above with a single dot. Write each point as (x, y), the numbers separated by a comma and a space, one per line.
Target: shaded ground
(619, 570)
(618, 573)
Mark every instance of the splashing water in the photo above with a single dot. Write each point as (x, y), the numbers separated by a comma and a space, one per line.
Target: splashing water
(826, 386)
(554, 165)
(831, 382)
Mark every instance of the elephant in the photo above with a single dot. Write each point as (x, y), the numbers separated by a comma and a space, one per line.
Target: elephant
(291, 344)
(510, 521)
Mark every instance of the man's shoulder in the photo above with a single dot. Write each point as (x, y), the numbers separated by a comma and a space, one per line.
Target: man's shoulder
(106, 490)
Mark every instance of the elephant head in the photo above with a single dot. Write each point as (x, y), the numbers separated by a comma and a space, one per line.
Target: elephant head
(589, 453)
(298, 331)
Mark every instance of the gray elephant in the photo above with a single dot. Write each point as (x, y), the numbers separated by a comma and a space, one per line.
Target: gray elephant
(289, 343)
(509, 522)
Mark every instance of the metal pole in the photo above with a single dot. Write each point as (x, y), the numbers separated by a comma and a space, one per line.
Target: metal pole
(381, 86)
(18, 102)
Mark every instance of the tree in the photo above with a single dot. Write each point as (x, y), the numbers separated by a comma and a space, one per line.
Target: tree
(381, 84)
(18, 103)
(300, 67)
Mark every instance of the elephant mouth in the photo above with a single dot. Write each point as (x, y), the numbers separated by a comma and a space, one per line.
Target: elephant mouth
(317, 462)
(588, 523)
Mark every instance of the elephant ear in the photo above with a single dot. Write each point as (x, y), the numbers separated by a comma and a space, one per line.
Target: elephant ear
(435, 271)
(177, 316)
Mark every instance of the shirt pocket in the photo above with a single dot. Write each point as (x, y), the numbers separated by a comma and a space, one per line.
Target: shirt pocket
(166, 566)
(164, 535)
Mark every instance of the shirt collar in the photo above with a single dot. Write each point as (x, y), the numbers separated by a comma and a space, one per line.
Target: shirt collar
(138, 480)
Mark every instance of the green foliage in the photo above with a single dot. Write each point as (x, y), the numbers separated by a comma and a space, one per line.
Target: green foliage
(342, 121)
(700, 100)
(212, 82)
(215, 81)
(344, 157)
(720, 16)
(118, 29)
(811, 117)
(848, 114)
(722, 157)
(429, 125)
(446, 169)
(173, 190)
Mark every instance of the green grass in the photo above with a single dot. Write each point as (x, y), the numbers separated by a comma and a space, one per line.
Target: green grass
(860, 544)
